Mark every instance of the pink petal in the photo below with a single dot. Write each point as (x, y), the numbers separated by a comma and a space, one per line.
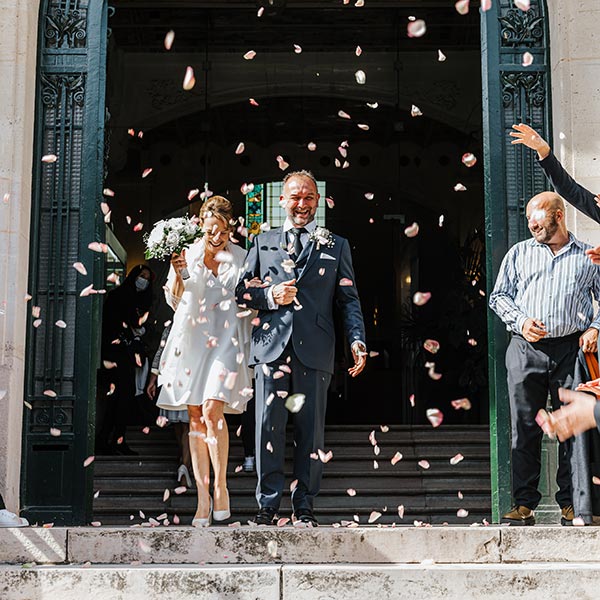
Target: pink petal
(325, 457)
(253, 102)
(441, 56)
(463, 403)
(459, 187)
(138, 227)
(297, 49)
(469, 159)
(411, 399)
(527, 59)
(311, 146)
(250, 55)
(462, 7)
(362, 126)
(424, 464)
(361, 77)
(417, 28)
(240, 148)
(351, 492)
(49, 158)
(412, 230)
(169, 39)
(374, 516)
(108, 192)
(49, 393)
(462, 513)
(401, 511)
(180, 490)
(343, 114)
(345, 282)
(369, 195)
(260, 12)
(269, 447)
(189, 79)
(88, 461)
(330, 202)
(486, 5)
(166, 495)
(61, 324)
(432, 346)
(523, 4)
(54, 432)
(460, 495)
(421, 298)
(435, 416)
(358, 51)
(415, 111)
(396, 458)
(456, 459)
(146, 172)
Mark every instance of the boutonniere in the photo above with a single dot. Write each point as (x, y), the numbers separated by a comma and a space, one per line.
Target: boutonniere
(322, 237)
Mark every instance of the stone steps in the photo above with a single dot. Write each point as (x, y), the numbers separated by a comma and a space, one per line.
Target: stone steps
(287, 563)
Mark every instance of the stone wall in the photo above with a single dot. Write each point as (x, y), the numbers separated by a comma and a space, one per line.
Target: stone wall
(18, 49)
(575, 56)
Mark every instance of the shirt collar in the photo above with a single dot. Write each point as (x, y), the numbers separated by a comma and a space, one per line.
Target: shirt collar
(572, 240)
(309, 228)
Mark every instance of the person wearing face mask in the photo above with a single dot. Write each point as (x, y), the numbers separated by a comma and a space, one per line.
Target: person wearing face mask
(124, 368)
(204, 365)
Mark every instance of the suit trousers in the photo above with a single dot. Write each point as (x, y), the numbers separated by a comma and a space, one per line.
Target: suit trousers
(534, 371)
(309, 429)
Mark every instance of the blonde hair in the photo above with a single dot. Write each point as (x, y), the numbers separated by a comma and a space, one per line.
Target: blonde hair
(218, 207)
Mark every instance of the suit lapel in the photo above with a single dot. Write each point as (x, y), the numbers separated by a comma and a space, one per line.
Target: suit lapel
(311, 248)
(282, 245)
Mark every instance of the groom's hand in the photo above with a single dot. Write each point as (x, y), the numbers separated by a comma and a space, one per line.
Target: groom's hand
(284, 293)
(359, 353)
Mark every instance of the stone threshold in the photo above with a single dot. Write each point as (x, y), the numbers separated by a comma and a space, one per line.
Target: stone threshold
(291, 546)
(531, 581)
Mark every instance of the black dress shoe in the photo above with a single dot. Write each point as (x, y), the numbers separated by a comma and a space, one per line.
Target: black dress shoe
(266, 516)
(305, 517)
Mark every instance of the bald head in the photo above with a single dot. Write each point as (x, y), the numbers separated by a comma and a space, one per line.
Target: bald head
(546, 219)
(547, 201)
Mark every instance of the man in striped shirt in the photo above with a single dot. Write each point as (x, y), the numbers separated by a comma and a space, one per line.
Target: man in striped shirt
(544, 294)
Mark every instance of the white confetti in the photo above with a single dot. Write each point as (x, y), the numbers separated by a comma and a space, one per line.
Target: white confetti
(169, 39)
(189, 79)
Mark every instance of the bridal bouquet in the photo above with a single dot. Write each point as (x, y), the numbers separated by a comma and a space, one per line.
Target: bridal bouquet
(171, 236)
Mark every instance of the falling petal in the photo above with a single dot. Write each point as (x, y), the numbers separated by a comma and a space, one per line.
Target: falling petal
(523, 4)
(527, 59)
(486, 5)
(311, 146)
(459, 187)
(169, 39)
(240, 148)
(441, 56)
(269, 447)
(373, 354)
(283, 521)
(424, 464)
(146, 430)
(260, 12)
(337, 163)
(416, 28)
(401, 511)
(49, 393)
(189, 80)
(180, 490)
(431, 372)
(358, 51)
(166, 495)
(363, 126)
(283, 165)
(456, 459)
(343, 115)
(247, 188)
(138, 227)
(37, 323)
(325, 457)
(361, 77)
(469, 159)
(146, 172)
(250, 55)
(351, 492)
(435, 416)
(345, 282)
(578, 522)
(596, 480)
(60, 323)
(239, 468)
(462, 513)
(88, 461)
(330, 202)
(463, 403)
(87, 291)
(441, 221)
(396, 458)
(108, 192)
(462, 7)
(421, 298)
(415, 111)
(384, 428)
(359, 3)
(345, 165)
(253, 102)
(460, 495)
(375, 464)
(295, 402)
(80, 268)
(412, 230)
(54, 432)
(272, 548)
(374, 516)
(432, 346)
(297, 49)
(49, 158)
(372, 104)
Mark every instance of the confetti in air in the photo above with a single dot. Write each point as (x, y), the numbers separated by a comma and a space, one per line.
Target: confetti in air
(527, 59)
(469, 159)
(435, 416)
(189, 80)
(169, 39)
(415, 111)
(412, 230)
(462, 7)
(416, 29)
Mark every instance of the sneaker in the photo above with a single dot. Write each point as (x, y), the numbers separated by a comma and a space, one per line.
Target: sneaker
(249, 465)
(304, 517)
(9, 519)
(519, 515)
(567, 514)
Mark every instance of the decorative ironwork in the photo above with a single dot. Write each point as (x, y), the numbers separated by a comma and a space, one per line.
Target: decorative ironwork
(533, 84)
(53, 85)
(518, 27)
(65, 28)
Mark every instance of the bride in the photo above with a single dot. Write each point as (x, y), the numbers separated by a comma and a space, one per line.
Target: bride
(204, 363)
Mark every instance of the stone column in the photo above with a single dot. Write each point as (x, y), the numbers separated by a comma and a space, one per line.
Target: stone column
(18, 52)
(575, 56)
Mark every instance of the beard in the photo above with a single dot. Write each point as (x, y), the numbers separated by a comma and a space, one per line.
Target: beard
(547, 232)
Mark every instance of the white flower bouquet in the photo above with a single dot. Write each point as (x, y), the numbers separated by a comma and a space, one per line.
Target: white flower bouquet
(171, 236)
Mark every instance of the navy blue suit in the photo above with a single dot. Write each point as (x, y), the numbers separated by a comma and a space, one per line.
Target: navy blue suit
(299, 336)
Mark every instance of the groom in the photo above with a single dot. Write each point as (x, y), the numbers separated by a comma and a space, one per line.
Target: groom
(305, 272)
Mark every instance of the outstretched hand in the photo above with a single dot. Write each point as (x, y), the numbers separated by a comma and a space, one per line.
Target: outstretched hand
(529, 137)
(359, 353)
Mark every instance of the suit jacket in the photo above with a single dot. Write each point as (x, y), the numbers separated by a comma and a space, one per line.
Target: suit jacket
(575, 194)
(308, 324)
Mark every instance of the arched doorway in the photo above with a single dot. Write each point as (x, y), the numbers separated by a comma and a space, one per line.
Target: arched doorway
(66, 218)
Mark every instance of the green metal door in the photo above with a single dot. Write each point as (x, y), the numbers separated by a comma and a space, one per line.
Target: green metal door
(512, 93)
(61, 361)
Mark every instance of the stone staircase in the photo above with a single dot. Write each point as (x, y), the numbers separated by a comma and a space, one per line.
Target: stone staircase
(128, 485)
(287, 563)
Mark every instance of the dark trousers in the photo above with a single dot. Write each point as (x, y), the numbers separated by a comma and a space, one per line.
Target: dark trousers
(534, 371)
(249, 428)
(309, 431)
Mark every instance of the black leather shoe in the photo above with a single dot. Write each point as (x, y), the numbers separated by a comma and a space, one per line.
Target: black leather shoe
(266, 516)
(304, 517)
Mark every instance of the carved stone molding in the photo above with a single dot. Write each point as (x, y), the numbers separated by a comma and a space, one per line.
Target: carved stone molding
(66, 28)
(53, 85)
(531, 83)
(521, 28)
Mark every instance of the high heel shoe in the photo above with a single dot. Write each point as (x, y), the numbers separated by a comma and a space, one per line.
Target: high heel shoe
(222, 515)
(184, 472)
(204, 521)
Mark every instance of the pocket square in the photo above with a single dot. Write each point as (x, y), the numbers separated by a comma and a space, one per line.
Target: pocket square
(327, 256)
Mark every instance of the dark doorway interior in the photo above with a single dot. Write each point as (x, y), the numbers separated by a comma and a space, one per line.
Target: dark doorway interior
(401, 169)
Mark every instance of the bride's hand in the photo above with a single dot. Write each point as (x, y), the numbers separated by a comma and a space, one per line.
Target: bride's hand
(256, 282)
(178, 262)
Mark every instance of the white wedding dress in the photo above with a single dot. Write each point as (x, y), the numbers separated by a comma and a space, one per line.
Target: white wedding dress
(206, 354)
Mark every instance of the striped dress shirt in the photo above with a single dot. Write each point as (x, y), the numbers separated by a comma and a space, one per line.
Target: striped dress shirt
(554, 289)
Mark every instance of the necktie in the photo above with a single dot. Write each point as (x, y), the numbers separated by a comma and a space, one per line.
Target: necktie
(297, 244)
